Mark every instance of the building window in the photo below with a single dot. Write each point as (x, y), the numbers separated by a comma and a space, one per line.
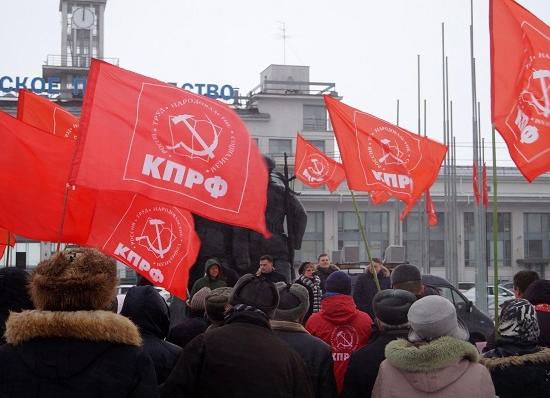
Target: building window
(277, 147)
(313, 242)
(376, 225)
(319, 144)
(315, 118)
(504, 239)
(536, 231)
(435, 235)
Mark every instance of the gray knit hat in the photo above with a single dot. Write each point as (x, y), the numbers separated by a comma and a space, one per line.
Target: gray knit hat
(392, 305)
(293, 302)
(405, 273)
(216, 303)
(255, 292)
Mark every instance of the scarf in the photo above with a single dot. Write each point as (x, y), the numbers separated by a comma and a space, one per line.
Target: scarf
(313, 285)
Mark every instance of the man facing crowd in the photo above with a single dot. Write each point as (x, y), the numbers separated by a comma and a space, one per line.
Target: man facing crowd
(324, 269)
(267, 270)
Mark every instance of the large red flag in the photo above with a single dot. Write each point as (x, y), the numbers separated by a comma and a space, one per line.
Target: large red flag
(157, 241)
(379, 156)
(140, 135)
(520, 69)
(35, 169)
(475, 184)
(314, 168)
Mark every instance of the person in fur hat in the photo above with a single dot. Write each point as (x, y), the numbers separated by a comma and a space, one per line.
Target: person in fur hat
(71, 346)
(436, 360)
(519, 366)
(287, 325)
(14, 295)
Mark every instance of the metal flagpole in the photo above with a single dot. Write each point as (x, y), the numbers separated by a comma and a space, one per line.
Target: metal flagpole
(421, 203)
(398, 223)
(425, 218)
(495, 230)
(446, 160)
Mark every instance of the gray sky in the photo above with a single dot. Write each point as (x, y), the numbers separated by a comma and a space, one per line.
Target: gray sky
(368, 48)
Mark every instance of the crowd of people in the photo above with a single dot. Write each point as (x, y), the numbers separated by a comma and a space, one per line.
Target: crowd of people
(389, 335)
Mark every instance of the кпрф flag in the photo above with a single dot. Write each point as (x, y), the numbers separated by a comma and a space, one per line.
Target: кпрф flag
(144, 136)
(379, 156)
(158, 241)
(314, 168)
(520, 71)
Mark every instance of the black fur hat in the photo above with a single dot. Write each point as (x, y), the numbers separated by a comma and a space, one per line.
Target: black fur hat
(256, 292)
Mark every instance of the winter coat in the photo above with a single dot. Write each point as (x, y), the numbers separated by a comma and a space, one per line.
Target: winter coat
(207, 281)
(148, 310)
(519, 372)
(315, 353)
(444, 368)
(365, 289)
(341, 325)
(243, 358)
(274, 277)
(85, 354)
(364, 364)
(538, 294)
(323, 274)
(313, 298)
(188, 329)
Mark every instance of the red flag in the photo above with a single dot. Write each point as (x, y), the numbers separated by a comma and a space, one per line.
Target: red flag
(379, 197)
(379, 156)
(140, 135)
(40, 112)
(6, 239)
(157, 241)
(314, 168)
(485, 188)
(35, 169)
(475, 184)
(430, 210)
(520, 69)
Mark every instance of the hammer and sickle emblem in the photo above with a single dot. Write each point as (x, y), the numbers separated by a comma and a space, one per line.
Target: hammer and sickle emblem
(541, 75)
(317, 168)
(207, 150)
(156, 246)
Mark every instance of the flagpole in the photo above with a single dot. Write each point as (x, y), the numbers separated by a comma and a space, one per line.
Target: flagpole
(62, 222)
(446, 181)
(364, 235)
(425, 225)
(398, 223)
(495, 230)
(421, 210)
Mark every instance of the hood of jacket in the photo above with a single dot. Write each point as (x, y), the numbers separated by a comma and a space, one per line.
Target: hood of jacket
(447, 358)
(55, 345)
(338, 308)
(493, 362)
(328, 270)
(148, 310)
(538, 292)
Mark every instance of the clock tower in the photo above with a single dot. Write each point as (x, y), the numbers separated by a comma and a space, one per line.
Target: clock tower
(82, 37)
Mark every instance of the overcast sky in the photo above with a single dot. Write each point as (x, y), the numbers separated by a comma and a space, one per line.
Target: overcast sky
(368, 48)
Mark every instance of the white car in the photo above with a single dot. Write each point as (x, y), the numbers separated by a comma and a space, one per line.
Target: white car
(503, 295)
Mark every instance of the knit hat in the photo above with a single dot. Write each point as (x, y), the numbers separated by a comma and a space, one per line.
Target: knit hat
(391, 306)
(518, 322)
(73, 280)
(405, 273)
(255, 292)
(293, 302)
(216, 303)
(197, 302)
(338, 282)
(432, 317)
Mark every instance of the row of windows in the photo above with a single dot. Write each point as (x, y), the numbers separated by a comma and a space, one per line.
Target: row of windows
(536, 237)
(278, 146)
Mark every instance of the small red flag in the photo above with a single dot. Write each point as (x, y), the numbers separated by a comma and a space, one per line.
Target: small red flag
(379, 156)
(144, 136)
(520, 80)
(485, 187)
(430, 210)
(158, 241)
(475, 184)
(314, 168)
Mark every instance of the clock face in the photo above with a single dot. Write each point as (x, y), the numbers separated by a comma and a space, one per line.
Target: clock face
(83, 18)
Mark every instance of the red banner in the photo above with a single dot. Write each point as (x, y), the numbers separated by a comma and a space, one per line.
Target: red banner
(35, 169)
(379, 197)
(157, 241)
(485, 187)
(430, 210)
(475, 184)
(379, 156)
(314, 168)
(144, 136)
(520, 70)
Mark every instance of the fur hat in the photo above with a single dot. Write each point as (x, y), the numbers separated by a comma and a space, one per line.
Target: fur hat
(405, 273)
(392, 305)
(14, 295)
(338, 282)
(293, 302)
(216, 303)
(255, 292)
(73, 280)
(197, 302)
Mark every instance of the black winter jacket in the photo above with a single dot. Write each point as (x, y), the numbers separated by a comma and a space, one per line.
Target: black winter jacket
(315, 353)
(323, 274)
(538, 294)
(85, 354)
(243, 358)
(365, 289)
(364, 363)
(148, 310)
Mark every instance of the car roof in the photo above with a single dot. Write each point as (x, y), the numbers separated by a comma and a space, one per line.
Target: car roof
(435, 281)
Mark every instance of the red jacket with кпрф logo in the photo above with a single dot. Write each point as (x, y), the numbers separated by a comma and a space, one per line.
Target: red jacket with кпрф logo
(341, 325)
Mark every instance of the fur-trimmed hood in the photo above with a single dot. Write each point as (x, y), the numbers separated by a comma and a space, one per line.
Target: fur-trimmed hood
(542, 356)
(99, 326)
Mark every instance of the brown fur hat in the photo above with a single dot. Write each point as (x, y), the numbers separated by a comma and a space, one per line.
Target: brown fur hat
(72, 280)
